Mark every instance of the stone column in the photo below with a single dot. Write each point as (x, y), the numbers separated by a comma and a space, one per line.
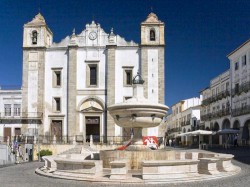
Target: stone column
(110, 76)
(161, 74)
(71, 97)
(144, 69)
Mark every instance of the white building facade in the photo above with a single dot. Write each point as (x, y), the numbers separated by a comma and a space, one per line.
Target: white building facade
(226, 101)
(185, 117)
(71, 83)
(216, 106)
(10, 113)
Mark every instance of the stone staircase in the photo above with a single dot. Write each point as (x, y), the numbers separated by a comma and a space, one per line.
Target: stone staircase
(75, 150)
(78, 149)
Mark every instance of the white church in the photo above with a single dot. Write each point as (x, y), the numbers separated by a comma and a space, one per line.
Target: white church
(67, 86)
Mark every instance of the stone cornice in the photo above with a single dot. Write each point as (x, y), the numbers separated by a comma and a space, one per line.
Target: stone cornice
(151, 45)
(34, 48)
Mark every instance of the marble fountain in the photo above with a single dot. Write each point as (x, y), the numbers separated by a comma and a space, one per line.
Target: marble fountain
(137, 163)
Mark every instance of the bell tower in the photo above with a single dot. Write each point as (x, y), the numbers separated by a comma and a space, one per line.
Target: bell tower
(37, 37)
(36, 33)
(152, 61)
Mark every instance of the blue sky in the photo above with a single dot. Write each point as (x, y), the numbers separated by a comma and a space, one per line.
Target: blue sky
(199, 34)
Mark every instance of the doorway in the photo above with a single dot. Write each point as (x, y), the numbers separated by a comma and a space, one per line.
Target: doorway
(6, 133)
(93, 128)
(56, 129)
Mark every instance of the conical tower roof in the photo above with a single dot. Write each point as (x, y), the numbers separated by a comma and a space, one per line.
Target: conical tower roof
(37, 20)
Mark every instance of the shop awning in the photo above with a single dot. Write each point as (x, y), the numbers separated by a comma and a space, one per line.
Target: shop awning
(228, 131)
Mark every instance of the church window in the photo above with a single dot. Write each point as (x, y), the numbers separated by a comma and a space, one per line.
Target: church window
(152, 35)
(56, 77)
(93, 75)
(57, 104)
(127, 76)
(34, 37)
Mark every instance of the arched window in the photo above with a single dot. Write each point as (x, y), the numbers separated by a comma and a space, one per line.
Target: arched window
(152, 35)
(34, 37)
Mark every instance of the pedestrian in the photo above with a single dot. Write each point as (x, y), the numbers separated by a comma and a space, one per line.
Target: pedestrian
(170, 142)
(236, 141)
(20, 153)
(173, 142)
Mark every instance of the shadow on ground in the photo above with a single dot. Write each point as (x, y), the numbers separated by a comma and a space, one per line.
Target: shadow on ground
(241, 154)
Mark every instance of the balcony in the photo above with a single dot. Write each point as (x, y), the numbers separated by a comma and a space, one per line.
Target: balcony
(214, 115)
(173, 130)
(245, 87)
(241, 111)
(217, 97)
(22, 117)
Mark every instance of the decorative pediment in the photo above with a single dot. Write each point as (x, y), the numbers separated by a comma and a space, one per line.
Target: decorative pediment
(91, 109)
(91, 106)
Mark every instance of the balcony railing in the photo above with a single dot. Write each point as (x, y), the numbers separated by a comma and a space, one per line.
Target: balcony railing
(218, 114)
(245, 87)
(241, 111)
(173, 130)
(217, 97)
(23, 117)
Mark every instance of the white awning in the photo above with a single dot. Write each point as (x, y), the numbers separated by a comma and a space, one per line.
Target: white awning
(197, 132)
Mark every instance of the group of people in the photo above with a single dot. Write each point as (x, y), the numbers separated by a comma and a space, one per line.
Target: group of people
(171, 142)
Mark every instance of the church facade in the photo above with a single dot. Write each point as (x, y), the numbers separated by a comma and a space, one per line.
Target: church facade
(67, 86)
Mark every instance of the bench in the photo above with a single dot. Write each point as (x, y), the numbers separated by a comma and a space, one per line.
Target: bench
(208, 166)
(119, 169)
(167, 169)
(224, 162)
(91, 167)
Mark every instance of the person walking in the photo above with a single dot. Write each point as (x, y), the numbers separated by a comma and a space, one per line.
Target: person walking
(236, 141)
(170, 142)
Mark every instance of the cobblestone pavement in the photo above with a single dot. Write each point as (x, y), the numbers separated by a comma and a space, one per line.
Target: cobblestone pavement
(23, 175)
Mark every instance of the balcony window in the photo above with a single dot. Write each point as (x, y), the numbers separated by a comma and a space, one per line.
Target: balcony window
(7, 109)
(236, 66)
(17, 109)
(244, 60)
(236, 88)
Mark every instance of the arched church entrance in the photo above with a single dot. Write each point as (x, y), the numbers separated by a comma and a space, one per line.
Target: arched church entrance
(245, 132)
(215, 138)
(92, 128)
(91, 117)
(226, 137)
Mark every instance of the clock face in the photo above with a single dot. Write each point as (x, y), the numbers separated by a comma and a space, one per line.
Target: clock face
(92, 35)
